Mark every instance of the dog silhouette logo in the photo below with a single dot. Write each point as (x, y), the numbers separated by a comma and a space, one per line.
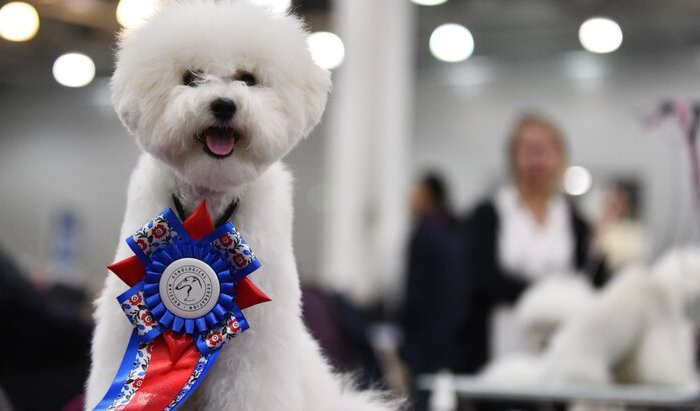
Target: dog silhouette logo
(190, 285)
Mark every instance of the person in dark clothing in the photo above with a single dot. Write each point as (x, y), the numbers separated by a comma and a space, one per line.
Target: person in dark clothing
(434, 285)
(527, 231)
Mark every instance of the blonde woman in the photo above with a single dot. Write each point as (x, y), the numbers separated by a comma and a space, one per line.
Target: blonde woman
(526, 231)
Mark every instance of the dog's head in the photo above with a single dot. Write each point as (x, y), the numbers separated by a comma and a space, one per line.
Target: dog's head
(218, 89)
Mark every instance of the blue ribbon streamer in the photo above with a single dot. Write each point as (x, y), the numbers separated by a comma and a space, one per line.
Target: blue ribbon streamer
(122, 374)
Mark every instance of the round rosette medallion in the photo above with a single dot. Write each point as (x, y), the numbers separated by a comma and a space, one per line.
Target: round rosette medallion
(188, 287)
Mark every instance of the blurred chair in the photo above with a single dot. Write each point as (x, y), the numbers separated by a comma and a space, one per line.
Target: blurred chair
(343, 334)
(44, 352)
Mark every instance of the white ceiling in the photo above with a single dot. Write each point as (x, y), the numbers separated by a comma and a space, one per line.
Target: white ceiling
(506, 29)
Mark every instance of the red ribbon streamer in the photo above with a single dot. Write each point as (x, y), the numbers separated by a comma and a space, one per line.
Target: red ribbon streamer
(173, 360)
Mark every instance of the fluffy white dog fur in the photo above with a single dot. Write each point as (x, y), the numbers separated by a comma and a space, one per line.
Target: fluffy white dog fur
(550, 303)
(639, 330)
(276, 365)
(540, 312)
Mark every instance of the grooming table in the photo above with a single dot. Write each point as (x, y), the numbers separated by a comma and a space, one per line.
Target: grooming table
(472, 388)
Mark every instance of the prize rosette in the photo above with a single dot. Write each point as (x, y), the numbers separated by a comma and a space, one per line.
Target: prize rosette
(189, 286)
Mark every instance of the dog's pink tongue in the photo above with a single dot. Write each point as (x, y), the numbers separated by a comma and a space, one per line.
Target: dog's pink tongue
(220, 142)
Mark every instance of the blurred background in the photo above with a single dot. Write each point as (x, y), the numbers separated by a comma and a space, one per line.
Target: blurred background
(403, 192)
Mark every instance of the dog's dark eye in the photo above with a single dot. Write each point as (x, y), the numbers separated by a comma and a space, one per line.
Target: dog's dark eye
(191, 78)
(247, 78)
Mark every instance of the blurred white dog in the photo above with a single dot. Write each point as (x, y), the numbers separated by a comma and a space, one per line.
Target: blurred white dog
(216, 93)
(542, 310)
(551, 303)
(639, 330)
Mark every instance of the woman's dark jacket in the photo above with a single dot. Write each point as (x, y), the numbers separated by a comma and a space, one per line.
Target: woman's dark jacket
(490, 285)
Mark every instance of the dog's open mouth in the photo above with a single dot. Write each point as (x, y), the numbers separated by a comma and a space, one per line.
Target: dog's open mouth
(218, 142)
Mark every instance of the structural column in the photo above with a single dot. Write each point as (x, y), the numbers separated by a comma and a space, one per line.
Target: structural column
(367, 160)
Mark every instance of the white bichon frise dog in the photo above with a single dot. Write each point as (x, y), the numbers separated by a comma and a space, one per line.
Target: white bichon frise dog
(552, 302)
(542, 310)
(639, 330)
(216, 92)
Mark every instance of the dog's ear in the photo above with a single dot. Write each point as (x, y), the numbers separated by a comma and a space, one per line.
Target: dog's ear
(125, 104)
(316, 90)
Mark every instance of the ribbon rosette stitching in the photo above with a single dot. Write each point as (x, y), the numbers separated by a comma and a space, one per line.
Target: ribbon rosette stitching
(189, 286)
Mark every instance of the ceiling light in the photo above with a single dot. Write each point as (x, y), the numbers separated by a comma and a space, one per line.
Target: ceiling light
(19, 21)
(429, 2)
(577, 180)
(74, 70)
(451, 43)
(600, 35)
(326, 49)
(131, 13)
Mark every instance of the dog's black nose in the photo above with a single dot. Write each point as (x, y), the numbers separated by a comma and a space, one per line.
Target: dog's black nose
(223, 109)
